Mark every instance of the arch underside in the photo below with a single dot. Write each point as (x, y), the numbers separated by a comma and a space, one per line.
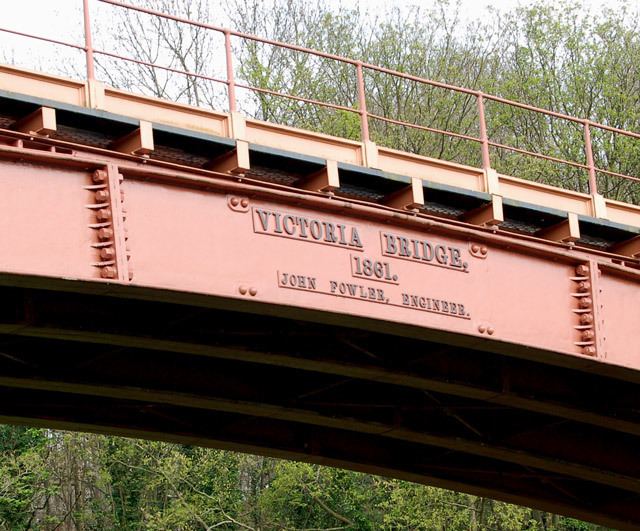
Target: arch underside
(306, 387)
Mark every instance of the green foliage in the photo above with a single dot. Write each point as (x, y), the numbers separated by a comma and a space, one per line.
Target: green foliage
(60, 480)
(551, 55)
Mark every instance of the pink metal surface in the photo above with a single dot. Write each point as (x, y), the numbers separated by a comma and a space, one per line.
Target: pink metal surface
(484, 139)
(44, 39)
(330, 262)
(160, 67)
(231, 87)
(362, 103)
(593, 183)
(424, 128)
(140, 225)
(88, 42)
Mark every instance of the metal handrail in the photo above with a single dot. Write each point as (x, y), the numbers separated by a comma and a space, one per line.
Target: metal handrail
(361, 105)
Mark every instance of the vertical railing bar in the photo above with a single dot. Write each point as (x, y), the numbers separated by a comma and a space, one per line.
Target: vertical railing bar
(231, 83)
(88, 43)
(484, 138)
(362, 104)
(588, 149)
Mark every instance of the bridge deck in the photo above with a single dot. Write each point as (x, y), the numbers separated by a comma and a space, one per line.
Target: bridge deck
(176, 273)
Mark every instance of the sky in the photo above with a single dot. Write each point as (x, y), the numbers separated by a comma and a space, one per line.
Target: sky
(62, 19)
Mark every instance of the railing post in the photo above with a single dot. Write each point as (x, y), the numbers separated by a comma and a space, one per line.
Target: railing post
(88, 44)
(588, 150)
(231, 83)
(362, 104)
(484, 139)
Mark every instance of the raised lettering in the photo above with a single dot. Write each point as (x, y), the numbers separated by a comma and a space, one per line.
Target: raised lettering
(390, 241)
(455, 257)
(403, 247)
(316, 229)
(288, 224)
(303, 223)
(441, 254)
(355, 238)
(278, 227)
(427, 251)
(341, 234)
(263, 216)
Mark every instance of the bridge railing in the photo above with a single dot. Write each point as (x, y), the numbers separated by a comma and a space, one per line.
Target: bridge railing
(360, 108)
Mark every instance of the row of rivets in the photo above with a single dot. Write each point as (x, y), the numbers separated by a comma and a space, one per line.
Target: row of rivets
(104, 226)
(584, 310)
(488, 329)
(250, 290)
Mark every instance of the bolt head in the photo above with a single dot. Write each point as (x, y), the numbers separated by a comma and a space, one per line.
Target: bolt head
(101, 196)
(99, 176)
(588, 335)
(244, 203)
(108, 272)
(585, 302)
(107, 253)
(584, 286)
(589, 351)
(105, 233)
(582, 270)
(104, 214)
(243, 290)
(491, 330)
(482, 329)
(483, 250)
(586, 318)
(475, 248)
(234, 201)
(253, 291)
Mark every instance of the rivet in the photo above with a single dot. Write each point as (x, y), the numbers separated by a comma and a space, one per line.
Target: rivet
(584, 286)
(234, 201)
(484, 250)
(105, 233)
(243, 290)
(482, 329)
(587, 335)
(582, 270)
(589, 351)
(586, 318)
(244, 203)
(107, 253)
(99, 176)
(253, 291)
(491, 330)
(108, 272)
(585, 302)
(101, 196)
(475, 248)
(104, 214)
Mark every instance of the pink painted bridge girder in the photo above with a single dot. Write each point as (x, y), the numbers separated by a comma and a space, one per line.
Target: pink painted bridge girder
(241, 242)
(148, 300)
